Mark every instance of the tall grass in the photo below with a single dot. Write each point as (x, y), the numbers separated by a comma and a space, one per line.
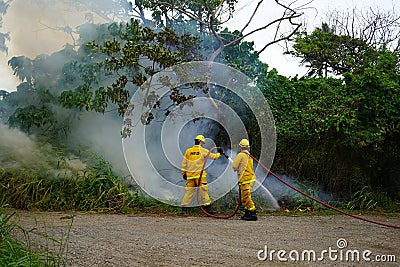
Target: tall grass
(97, 189)
(369, 199)
(14, 252)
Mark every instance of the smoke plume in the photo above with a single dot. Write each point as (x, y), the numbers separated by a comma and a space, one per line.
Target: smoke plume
(19, 151)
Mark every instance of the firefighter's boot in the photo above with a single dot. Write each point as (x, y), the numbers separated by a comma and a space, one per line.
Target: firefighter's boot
(253, 215)
(246, 216)
(249, 215)
(209, 209)
(184, 211)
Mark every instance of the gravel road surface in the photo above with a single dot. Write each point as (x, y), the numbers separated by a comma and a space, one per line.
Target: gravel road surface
(149, 240)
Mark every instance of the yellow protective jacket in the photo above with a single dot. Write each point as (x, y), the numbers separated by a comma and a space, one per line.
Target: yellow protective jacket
(193, 161)
(243, 165)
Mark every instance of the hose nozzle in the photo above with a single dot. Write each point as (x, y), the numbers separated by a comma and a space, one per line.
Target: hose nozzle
(222, 152)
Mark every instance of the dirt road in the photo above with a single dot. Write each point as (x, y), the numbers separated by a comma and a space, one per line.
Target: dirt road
(121, 240)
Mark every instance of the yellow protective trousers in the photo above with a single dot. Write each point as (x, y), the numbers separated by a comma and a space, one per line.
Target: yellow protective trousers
(245, 191)
(191, 186)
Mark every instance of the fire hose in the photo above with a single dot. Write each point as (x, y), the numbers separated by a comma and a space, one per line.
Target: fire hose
(295, 189)
(201, 206)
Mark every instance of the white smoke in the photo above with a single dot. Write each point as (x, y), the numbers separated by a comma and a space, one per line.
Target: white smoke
(20, 151)
(280, 190)
(43, 27)
(38, 28)
(17, 150)
(100, 133)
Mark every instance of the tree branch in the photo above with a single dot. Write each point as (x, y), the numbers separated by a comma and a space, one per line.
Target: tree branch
(265, 27)
(287, 37)
(252, 16)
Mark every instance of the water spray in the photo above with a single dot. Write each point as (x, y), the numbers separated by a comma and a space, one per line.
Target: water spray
(294, 188)
(142, 153)
(319, 201)
(274, 201)
(198, 200)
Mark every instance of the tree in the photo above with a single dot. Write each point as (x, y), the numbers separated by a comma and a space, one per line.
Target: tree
(134, 53)
(102, 72)
(34, 105)
(208, 18)
(346, 127)
(108, 81)
(210, 15)
(325, 52)
(359, 98)
(374, 26)
(376, 97)
(347, 40)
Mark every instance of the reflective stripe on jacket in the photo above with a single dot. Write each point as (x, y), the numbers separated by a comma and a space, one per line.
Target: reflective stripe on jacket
(193, 161)
(243, 165)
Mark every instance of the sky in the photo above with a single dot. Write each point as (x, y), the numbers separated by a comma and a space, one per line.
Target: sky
(36, 31)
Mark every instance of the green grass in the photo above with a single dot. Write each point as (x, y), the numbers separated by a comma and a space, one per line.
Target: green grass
(368, 199)
(98, 189)
(14, 252)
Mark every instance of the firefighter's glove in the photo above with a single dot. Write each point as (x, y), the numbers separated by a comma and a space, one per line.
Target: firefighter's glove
(184, 177)
(221, 151)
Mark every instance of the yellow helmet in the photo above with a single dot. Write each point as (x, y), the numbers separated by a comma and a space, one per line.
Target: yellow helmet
(201, 138)
(244, 143)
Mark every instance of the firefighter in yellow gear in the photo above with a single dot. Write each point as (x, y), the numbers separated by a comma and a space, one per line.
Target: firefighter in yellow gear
(243, 165)
(192, 171)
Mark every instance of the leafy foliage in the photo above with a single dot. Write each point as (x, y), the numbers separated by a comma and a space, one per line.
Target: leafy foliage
(34, 106)
(165, 12)
(338, 130)
(325, 52)
(126, 54)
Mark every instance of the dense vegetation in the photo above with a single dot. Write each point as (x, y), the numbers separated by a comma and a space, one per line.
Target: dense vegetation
(338, 126)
